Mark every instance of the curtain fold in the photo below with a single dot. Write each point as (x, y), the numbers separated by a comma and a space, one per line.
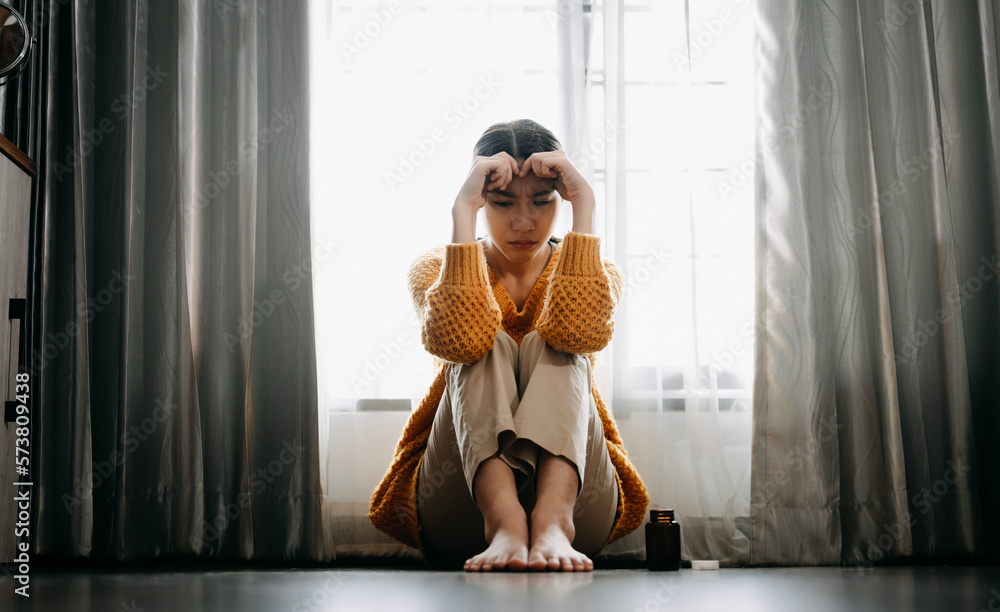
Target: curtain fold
(878, 343)
(683, 413)
(176, 362)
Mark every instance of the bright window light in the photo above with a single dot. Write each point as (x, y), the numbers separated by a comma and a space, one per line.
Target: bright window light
(401, 92)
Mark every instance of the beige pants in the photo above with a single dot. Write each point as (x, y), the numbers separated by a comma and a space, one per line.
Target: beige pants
(514, 401)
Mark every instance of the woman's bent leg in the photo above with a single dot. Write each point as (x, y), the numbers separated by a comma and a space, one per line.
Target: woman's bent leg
(472, 424)
(576, 480)
(518, 411)
(451, 524)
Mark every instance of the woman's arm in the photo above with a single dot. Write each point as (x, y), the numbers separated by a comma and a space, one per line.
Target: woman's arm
(583, 293)
(459, 316)
(584, 290)
(451, 289)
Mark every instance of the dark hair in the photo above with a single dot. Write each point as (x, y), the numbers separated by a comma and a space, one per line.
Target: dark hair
(519, 139)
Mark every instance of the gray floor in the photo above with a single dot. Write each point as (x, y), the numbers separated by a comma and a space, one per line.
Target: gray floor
(948, 588)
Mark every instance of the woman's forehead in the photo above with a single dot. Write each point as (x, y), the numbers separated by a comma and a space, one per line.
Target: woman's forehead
(530, 184)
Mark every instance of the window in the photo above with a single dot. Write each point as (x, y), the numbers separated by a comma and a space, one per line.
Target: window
(670, 85)
(653, 101)
(402, 91)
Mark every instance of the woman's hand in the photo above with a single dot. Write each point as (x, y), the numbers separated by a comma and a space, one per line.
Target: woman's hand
(487, 173)
(569, 184)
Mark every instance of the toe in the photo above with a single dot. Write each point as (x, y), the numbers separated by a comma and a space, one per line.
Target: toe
(535, 561)
(517, 562)
(478, 563)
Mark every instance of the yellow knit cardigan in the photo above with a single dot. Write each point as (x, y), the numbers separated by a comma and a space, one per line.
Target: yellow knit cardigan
(462, 306)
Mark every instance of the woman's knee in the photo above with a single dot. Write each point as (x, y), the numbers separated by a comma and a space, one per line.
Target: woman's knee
(504, 346)
(533, 346)
(504, 339)
(532, 339)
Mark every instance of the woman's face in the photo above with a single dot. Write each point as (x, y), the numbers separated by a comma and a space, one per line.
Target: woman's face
(524, 212)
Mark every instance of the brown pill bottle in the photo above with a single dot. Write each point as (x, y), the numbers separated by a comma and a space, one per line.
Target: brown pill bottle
(663, 541)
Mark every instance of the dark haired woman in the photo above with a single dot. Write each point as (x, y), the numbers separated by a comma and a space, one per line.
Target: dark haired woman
(512, 461)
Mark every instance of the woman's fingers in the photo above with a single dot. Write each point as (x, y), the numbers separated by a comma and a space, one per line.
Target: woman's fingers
(509, 165)
(501, 176)
(500, 169)
(567, 180)
(546, 164)
(547, 167)
(525, 166)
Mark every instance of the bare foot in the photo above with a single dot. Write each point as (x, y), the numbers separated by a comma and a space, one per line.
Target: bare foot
(508, 550)
(504, 518)
(551, 544)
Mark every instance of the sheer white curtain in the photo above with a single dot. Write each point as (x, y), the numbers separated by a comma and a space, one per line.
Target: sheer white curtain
(670, 96)
(402, 92)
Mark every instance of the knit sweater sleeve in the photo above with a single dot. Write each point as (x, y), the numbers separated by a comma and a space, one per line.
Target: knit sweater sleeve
(459, 316)
(583, 294)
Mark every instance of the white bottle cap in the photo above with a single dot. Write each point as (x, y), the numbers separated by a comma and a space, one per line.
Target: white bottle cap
(703, 564)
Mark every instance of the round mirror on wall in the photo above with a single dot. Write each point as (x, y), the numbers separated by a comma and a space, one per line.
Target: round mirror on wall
(15, 43)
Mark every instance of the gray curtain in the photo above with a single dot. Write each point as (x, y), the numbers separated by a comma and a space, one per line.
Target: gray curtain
(877, 388)
(175, 368)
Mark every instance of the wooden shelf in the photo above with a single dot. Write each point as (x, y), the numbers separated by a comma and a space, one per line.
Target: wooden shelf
(16, 155)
